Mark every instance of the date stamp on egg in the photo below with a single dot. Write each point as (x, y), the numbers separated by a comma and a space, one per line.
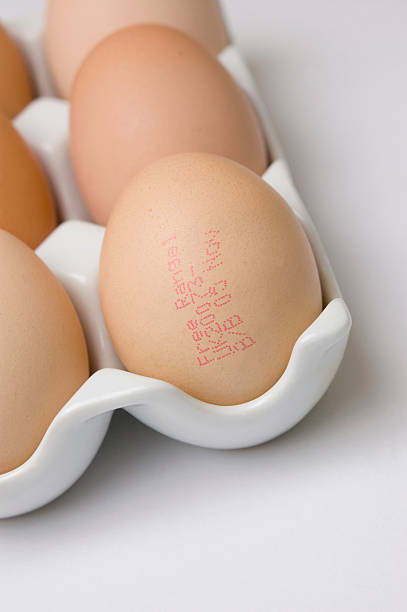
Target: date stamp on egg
(201, 293)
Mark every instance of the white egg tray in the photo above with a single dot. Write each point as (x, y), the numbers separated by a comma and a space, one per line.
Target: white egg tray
(72, 253)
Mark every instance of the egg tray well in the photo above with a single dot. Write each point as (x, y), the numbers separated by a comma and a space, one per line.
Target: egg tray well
(72, 253)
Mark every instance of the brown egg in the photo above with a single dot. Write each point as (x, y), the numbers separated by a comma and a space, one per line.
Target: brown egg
(74, 27)
(15, 83)
(26, 204)
(207, 278)
(150, 91)
(43, 355)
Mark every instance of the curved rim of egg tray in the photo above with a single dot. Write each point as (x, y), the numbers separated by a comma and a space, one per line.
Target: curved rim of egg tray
(72, 253)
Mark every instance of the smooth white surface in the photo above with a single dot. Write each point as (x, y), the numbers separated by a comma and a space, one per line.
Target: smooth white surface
(316, 520)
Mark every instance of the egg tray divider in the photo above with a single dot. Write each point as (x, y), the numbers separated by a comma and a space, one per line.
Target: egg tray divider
(72, 253)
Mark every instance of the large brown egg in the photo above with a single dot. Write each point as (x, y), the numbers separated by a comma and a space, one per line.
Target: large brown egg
(207, 278)
(26, 204)
(149, 91)
(43, 355)
(74, 27)
(15, 83)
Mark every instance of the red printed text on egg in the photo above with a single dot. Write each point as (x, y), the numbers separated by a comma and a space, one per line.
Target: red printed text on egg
(201, 294)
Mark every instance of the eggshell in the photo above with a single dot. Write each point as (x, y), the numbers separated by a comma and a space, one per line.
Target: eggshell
(43, 354)
(150, 91)
(74, 27)
(15, 84)
(207, 278)
(26, 204)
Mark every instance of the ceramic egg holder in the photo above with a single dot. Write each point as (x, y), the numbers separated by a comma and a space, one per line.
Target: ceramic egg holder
(72, 253)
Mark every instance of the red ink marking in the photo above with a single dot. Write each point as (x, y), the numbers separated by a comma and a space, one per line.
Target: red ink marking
(204, 360)
(207, 319)
(223, 347)
(182, 302)
(213, 291)
(245, 343)
(223, 300)
(197, 336)
(203, 308)
(174, 264)
(206, 297)
(180, 288)
(201, 350)
(232, 322)
(174, 237)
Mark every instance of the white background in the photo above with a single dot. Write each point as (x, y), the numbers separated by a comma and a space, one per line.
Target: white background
(316, 520)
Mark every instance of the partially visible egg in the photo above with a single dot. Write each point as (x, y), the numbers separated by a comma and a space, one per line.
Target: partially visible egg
(74, 27)
(15, 84)
(150, 91)
(26, 204)
(43, 354)
(207, 278)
